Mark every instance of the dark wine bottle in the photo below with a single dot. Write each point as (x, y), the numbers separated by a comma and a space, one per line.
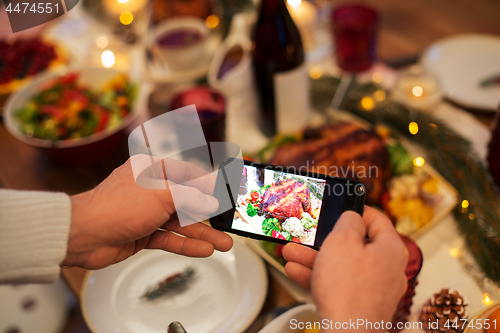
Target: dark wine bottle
(280, 73)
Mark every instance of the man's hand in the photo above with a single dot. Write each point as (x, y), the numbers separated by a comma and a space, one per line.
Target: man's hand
(351, 277)
(118, 218)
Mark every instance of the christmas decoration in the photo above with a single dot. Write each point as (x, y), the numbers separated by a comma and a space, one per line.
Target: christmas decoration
(444, 312)
(448, 152)
(172, 284)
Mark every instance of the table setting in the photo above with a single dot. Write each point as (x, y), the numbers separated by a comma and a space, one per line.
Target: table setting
(296, 83)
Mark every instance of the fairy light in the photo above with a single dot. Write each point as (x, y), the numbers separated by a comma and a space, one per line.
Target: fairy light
(413, 128)
(454, 252)
(377, 77)
(367, 103)
(417, 91)
(212, 21)
(126, 18)
(108, 59)
(487, 300)
(472, 216)
(379, 95)
(418, 161)
(465, 204)
(315, 73)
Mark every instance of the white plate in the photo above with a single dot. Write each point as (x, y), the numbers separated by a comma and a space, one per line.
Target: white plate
(302, 314)
(226, 296)
(461, 63)
(30, 308)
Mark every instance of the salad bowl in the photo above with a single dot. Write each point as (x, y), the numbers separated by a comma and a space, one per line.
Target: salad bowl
(87, 149)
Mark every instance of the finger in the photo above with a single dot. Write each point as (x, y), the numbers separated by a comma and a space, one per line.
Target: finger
(169, 241)
(188, 174)
(378, 225)
(299, 274)
(145, 166)
(192, 200)
(350, 226)
(220, 240)
(150, 172)
(300, 254)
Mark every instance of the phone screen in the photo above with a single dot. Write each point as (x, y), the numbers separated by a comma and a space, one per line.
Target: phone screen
(281, 205)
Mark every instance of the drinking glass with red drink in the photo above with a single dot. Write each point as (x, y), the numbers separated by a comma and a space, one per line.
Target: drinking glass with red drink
(354, 30)
(211, 108)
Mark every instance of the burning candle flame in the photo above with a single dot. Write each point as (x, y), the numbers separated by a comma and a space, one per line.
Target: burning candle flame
(108, 59)
(417, 91)
(294, 3)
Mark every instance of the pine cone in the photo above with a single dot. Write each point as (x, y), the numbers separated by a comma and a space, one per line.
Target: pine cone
(442, 307)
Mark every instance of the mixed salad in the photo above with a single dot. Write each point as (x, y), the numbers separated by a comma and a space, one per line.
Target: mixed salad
(65, 109)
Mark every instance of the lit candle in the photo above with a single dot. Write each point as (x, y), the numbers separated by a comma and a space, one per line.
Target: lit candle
(120, 6)
(417, 88)
(304, 15)
(108, 58)
(109, 53)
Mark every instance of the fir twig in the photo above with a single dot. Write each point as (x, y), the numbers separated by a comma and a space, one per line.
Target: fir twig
(174, 283)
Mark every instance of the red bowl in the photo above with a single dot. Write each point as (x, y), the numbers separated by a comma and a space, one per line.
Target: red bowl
(84, 151)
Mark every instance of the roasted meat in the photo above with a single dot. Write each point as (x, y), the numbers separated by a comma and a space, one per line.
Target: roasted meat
(343, 150)
(287, 198)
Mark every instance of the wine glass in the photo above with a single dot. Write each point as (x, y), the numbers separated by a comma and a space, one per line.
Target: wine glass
(354, 31)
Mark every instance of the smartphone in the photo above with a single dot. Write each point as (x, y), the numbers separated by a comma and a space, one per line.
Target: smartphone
(282, 204)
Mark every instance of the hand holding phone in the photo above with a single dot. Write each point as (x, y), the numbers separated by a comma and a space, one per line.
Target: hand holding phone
(353, 277)
(283, 204)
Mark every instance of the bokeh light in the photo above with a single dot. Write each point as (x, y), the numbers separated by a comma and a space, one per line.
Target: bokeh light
(417, 91)
(487, 300)
(413, 128)
(380, 95)
(315, 73)
(108, 59)
(377, 77)
(454, 252)
(418, 161)
(126, 18)
(367, 103)
(212, 21)
(101, 41)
